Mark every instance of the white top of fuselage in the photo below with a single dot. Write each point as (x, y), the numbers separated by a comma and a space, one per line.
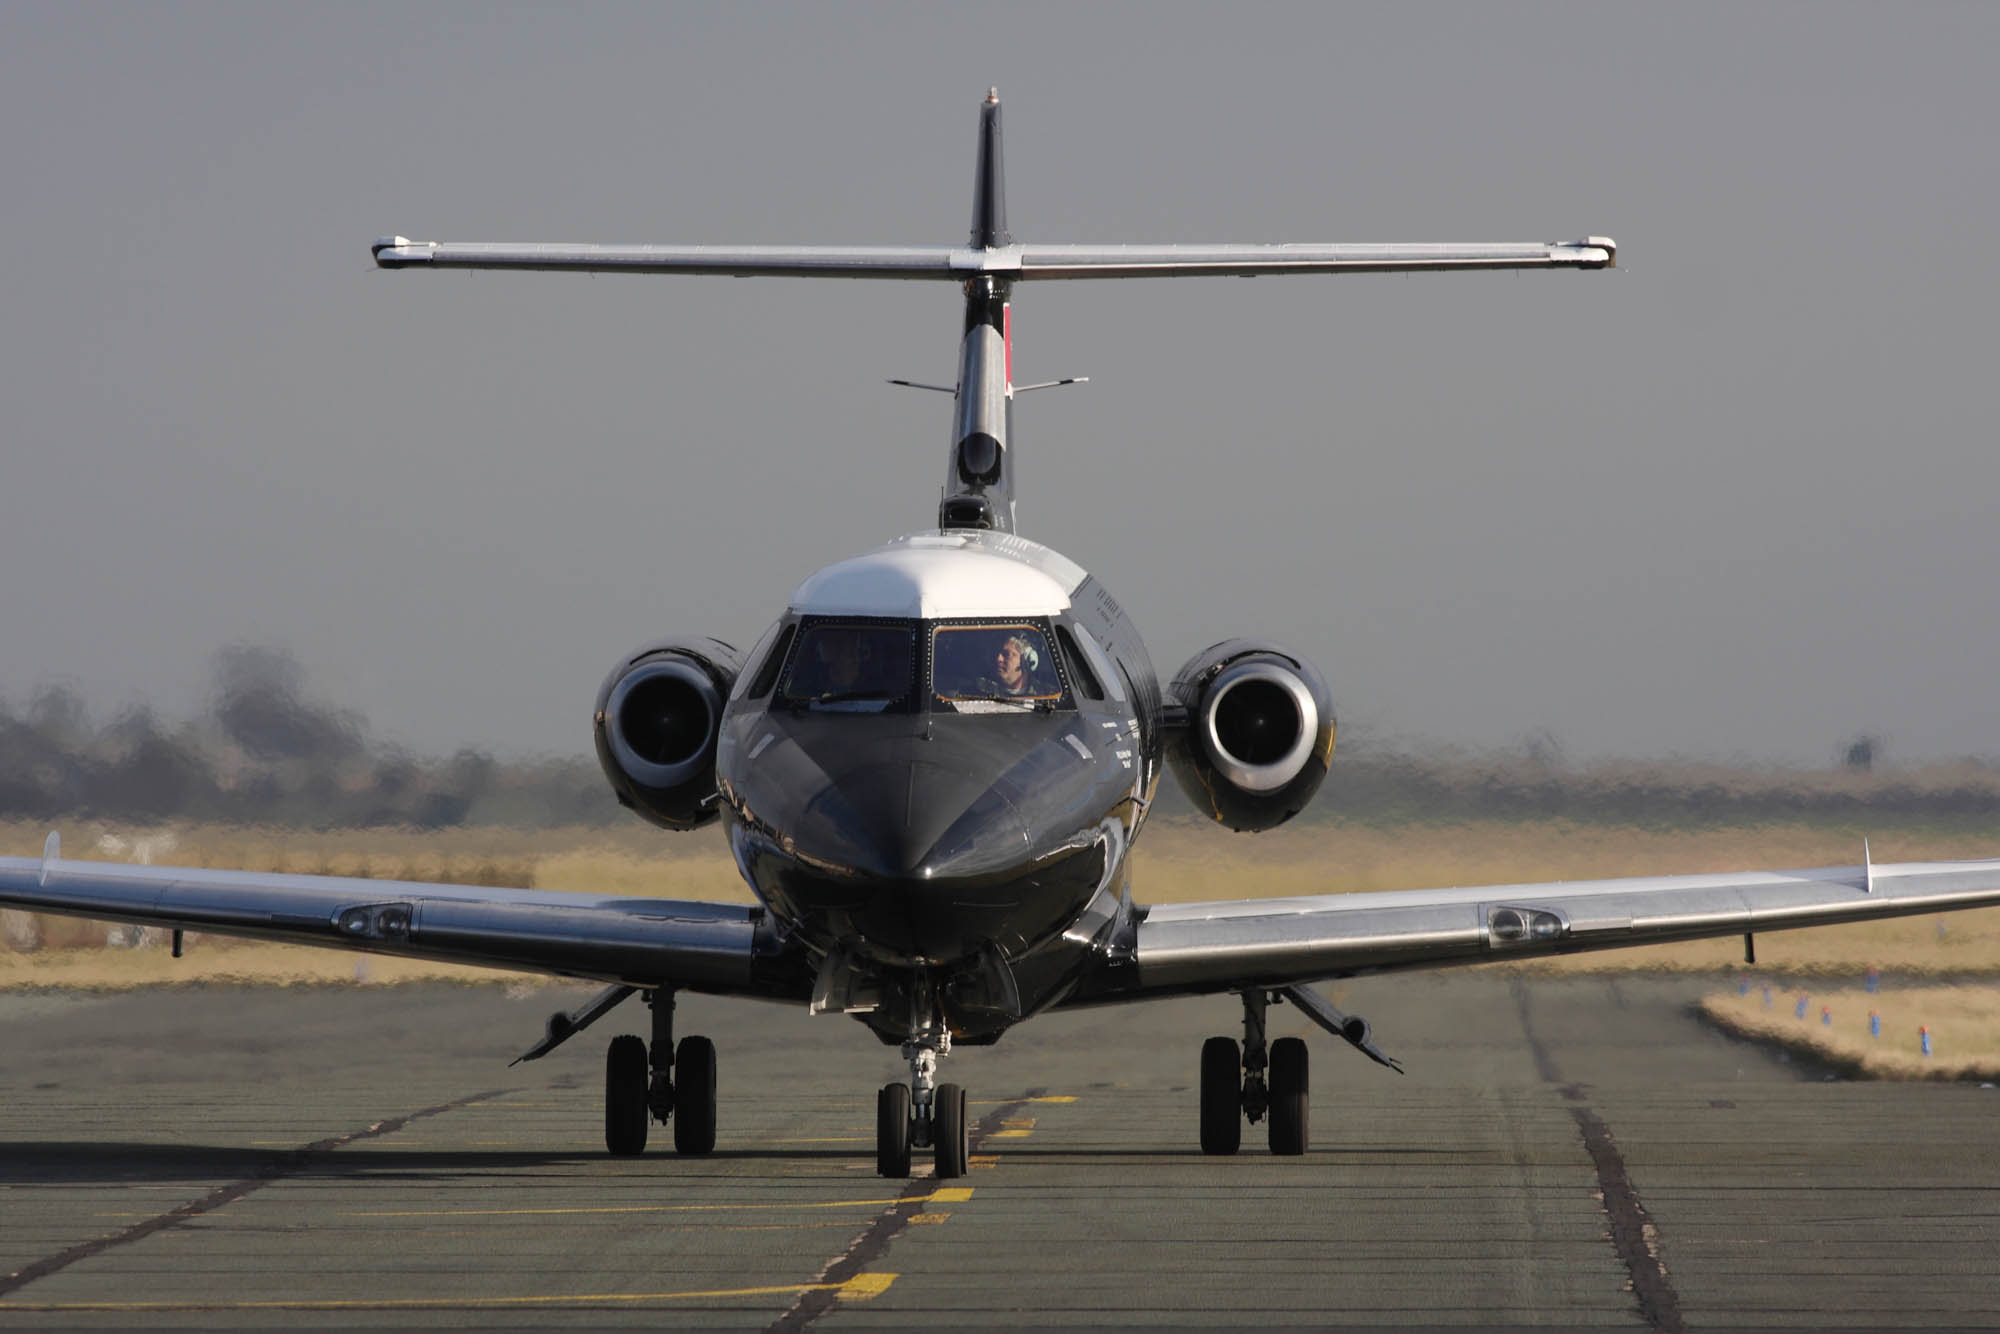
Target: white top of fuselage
(959, 572)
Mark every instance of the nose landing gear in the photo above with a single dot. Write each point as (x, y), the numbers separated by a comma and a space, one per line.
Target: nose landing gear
(922, 1114)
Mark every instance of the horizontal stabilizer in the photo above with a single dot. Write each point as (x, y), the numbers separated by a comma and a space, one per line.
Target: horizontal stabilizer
(725, 261)
(1016, 263)
(1250, 261)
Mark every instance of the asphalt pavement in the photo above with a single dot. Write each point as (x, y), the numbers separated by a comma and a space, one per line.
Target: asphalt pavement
(1562, 1152)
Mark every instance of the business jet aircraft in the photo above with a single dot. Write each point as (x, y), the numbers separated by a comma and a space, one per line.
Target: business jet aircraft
(932, 770)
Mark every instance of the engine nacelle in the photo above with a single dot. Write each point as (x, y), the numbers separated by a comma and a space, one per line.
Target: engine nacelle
(1259, 733)
(658, 715)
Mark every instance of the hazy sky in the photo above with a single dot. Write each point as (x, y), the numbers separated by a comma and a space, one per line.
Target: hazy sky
(1737, 498)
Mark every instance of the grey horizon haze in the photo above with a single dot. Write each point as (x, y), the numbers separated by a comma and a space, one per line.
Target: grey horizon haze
(1735, 499)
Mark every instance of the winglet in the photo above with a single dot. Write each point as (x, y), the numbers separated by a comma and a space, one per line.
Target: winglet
(1867, 869)
(51, 854)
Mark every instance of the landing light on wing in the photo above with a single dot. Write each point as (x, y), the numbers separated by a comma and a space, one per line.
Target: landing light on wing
(1511, 926)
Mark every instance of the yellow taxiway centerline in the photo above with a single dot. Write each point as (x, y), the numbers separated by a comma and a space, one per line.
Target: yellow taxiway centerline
(948, 1195)
(860, 1288)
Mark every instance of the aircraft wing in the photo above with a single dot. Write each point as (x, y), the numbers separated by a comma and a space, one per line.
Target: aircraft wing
(713, 947)
(1016, 262)
(1197, 947)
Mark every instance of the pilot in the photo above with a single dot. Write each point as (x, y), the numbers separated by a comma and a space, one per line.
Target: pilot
(841, 657)
(1014, 667)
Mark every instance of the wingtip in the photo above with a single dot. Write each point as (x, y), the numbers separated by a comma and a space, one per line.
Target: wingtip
(396, 252)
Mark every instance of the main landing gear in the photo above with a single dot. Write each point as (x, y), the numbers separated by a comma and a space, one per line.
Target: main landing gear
(922, 1114)
(660, 1082)
(1257, 1080)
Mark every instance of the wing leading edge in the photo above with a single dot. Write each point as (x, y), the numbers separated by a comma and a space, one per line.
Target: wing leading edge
(1198, 947)
(712, 947)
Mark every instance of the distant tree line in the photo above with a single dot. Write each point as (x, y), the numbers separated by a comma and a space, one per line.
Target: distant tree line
(265, 751)
(1442, 784)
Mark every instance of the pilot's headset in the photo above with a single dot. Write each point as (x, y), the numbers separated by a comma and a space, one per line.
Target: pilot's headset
(1031, 657)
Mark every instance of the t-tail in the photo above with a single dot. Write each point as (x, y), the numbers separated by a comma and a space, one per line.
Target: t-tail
(979, 487)
(979, 478)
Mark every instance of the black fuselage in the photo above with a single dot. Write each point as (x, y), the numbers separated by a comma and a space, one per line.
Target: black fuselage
(931, 848)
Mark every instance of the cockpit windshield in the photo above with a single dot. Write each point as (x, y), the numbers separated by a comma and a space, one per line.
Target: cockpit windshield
(992, 668)
(877, 666)
(852, 669)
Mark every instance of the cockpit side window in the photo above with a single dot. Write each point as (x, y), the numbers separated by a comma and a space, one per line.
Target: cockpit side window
(772, 664)
(1101, 663)
(994, 667)
(1080, 673)
(850, 667)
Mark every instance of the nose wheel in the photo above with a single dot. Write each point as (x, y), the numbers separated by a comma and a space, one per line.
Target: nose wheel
(893, 1123)
(949, 1136)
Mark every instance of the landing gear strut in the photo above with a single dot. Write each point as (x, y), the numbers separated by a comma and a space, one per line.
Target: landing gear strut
(924, 1113)
(1257, 1080)
(640, 1085)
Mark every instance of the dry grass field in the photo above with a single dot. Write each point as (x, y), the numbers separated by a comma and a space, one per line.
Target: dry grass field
(1964, 1024)
(1175, 861)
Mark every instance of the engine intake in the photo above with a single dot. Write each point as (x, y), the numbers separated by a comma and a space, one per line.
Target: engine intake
(658, 715)
(1259, 736)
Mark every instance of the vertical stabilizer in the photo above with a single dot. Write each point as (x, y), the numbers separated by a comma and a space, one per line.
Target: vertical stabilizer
(989, 180)
(979, 479)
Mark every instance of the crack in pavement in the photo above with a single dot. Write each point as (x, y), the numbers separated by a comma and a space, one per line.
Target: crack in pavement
(286, 1164)
(1633, 1235)
(874, 1242)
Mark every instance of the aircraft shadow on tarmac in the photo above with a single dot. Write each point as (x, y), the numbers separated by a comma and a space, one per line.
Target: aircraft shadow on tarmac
(66, 1162)
(63, 1162)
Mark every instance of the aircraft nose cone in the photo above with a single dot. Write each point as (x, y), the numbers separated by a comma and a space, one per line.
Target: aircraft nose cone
(886, 821)
(923, 844)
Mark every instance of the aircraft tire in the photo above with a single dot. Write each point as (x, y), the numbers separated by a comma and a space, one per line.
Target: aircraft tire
(694, 1096)
(1221, 1096)
(625, 1111)
(949, 1131)
(892, 1131)
(1289, 1101)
